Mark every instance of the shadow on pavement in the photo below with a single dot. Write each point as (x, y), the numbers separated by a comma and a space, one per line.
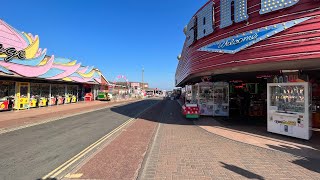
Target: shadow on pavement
(155, 114)
(245, 173)
(309, 163)
(260, 131)
(310, 158)
(169, 112)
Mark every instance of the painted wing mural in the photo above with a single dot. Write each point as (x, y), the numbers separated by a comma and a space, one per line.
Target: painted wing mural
(37, 63)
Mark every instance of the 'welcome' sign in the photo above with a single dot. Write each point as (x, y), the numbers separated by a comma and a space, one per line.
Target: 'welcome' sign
(239, 42)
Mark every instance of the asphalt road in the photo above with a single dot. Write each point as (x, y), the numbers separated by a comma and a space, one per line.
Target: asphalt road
(33, 152)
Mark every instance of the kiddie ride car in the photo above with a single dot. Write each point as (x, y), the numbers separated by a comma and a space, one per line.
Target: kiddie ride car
(190, 111)
(6, 103)
(104, 96)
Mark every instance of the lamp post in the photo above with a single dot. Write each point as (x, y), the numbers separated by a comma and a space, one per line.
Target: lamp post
(142, 78)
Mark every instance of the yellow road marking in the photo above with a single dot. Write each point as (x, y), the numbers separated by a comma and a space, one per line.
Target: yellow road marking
(73, 176)
(68, 163)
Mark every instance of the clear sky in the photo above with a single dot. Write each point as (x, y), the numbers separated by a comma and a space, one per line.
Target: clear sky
(117, 37)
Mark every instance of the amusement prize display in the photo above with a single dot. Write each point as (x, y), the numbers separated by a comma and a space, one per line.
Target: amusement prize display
(7, 91)
(205, 98)
(220, 99)
(35, 93)
(71, 96)
(190, 109)
(22, 96)
(288, 109)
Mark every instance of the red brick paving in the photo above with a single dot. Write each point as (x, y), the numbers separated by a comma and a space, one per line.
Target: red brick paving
(181, 150)
(122, 158)
(258, 136)
(13, 119)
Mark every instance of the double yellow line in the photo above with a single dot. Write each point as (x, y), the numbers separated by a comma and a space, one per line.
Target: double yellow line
(64, 166)
(68, 163)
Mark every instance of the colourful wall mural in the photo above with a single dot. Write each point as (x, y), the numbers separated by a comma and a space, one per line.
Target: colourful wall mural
(20, 55)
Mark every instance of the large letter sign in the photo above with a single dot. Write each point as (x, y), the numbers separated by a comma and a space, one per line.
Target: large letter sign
(240, 12)
(205, 21)
(190, 32)
(274, 5)
(234, 44)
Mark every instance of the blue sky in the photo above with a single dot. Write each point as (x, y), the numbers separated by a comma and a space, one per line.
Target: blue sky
(118, 37)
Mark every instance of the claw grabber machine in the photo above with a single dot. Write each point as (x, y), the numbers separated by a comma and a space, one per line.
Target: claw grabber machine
(221, 99)
(288, 109)
(205, 98)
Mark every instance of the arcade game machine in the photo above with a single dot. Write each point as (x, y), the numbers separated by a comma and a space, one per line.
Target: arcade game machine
(221, 99)
(191, 109)
(54, 93)
(73, 93)
(6, 95)
(71, 96)
(316, 103)
(288, 108)
(61, 94)
(44, 95)
(88, 93)
(34, 95)
(205, 98)
(22, 95)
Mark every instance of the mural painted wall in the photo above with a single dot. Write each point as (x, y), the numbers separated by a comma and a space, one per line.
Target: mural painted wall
(20, 54)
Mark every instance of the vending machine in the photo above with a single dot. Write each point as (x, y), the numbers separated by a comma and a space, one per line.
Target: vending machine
(205, 98)
(220, 99)
(289, 112)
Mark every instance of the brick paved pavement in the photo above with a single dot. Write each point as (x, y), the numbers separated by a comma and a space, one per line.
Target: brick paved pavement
(14, 119)
(183, 151)
(258, 136)
(122, 157)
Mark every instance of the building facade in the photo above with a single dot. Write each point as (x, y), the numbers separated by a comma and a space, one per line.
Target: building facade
(248, 44)
(29, 77)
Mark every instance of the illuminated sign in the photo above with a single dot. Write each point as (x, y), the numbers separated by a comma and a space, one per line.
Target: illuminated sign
(239, 42)
(12, 53)
(202, 24)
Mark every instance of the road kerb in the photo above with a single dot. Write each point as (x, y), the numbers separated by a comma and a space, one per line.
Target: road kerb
(56, 172)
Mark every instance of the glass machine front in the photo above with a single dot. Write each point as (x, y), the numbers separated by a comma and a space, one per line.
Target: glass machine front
(205, 98)
(288, 109)
(221, 99)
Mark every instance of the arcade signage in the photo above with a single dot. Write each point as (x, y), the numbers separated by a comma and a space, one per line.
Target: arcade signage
(12, 53)
(202, 24)
(238, 42)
